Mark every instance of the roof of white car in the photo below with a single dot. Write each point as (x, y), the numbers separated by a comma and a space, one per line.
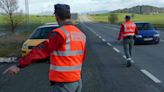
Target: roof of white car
(53, 25)
(141, 22)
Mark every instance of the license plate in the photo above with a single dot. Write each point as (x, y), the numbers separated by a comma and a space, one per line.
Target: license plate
(148, 39)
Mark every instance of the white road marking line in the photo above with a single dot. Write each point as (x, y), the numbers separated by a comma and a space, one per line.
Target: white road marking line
(96, 34)
(124, 56)
(162, 40)
(100, 37)
(109, 44)
(103, 40)
(132, 61)
(88, 28)
(156, 80)
(116, 50)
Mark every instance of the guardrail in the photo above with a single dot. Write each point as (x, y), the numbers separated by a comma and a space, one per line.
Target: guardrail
(2, 34)
(8, 59)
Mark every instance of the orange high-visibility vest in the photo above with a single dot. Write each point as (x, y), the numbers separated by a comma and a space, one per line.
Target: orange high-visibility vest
(66, 62)
(129, 29)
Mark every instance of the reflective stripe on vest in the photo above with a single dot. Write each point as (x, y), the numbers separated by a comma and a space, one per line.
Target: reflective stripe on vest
(68, 53)
(78, 36)
(65, 68)
(68, 38)
(129, 34)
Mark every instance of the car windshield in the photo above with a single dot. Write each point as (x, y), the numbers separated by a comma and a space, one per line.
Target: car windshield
(144, 26)
(41, 33)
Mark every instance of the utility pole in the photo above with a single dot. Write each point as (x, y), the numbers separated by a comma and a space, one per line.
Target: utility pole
(140, 9)
(27, 12)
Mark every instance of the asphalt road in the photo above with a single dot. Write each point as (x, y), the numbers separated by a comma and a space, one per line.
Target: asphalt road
(147, 58)
(103, 70)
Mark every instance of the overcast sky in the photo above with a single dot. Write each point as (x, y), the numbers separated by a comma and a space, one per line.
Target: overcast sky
(38, 6)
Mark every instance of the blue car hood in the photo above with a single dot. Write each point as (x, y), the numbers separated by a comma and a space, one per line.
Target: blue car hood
(147, 32)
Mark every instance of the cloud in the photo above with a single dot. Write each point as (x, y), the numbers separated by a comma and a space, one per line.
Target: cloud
(37, 6)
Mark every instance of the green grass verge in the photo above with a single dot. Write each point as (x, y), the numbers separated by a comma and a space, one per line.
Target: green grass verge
(11, 45)
(157, 19)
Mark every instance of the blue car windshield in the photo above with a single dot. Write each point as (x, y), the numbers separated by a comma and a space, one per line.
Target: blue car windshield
(41, 33)
(144, 26)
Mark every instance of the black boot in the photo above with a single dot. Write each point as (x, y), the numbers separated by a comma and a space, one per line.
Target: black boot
(129, 64)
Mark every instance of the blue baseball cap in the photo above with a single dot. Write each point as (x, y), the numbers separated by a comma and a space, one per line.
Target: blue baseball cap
(127, 17)
(61, 9)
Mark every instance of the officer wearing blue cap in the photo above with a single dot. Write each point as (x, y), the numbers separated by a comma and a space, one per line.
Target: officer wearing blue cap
(66, 49)
(63, 14)
(68, 80)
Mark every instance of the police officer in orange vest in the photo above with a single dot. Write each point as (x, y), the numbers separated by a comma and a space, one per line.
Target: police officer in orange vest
(66, 47)
(127, 32)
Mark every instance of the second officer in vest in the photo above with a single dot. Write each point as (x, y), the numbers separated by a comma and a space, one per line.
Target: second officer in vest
(127, 32)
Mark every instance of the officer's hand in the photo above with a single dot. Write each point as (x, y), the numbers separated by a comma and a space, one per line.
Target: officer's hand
(12, 70)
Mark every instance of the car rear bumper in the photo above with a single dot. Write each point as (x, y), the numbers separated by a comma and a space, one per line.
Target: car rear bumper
(147, 40)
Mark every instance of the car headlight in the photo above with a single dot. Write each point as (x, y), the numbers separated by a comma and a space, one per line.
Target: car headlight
(24, 46)
(156, 35)
(138, 36)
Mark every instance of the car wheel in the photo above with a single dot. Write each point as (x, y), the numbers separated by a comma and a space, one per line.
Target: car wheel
(157, 41)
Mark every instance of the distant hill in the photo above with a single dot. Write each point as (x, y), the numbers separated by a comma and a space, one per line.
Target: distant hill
(143, 9)
(98, 12)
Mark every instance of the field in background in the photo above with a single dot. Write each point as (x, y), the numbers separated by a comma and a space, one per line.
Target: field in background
(34, 21)
(11, 44)
(157, 19)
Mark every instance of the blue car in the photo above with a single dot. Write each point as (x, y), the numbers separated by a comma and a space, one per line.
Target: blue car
(147, 33)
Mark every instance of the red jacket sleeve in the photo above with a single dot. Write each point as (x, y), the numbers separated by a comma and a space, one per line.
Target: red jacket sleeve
(121, 32)
(43, 50)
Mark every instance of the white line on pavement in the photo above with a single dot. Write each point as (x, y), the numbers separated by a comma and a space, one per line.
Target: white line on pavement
(132, 61)
(103, 40)
(116, 50)
(109, 44)
(100, 37)
(156, 80)
(88, 28)
(162, 40)
(124, 56)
